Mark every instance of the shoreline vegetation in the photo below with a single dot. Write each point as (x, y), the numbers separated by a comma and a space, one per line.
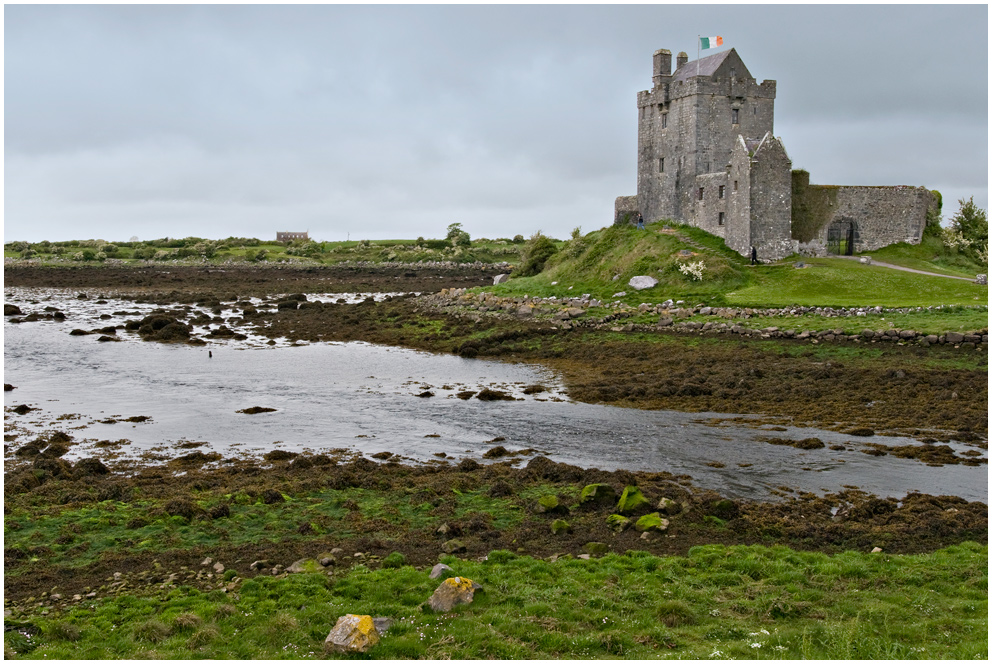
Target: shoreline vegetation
(249, 558)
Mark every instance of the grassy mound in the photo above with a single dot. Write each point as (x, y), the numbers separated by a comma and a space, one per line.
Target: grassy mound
(602, 262)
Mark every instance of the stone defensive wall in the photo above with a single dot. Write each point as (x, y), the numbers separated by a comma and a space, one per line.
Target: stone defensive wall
(877, 215)
(571, 313)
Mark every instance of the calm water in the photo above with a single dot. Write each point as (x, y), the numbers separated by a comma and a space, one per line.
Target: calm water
(363, 397)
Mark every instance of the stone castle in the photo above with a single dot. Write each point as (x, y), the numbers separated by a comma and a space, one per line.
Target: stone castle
(707, 156)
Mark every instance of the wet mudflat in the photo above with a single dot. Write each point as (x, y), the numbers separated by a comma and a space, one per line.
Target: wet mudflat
(245, 398)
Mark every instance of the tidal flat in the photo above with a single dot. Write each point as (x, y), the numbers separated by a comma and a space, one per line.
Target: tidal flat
(407, 430)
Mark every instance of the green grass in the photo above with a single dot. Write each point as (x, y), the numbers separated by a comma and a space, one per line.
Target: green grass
(929, 255)
(718, 602)
(588, 265)
(837, 282)
(198, 250)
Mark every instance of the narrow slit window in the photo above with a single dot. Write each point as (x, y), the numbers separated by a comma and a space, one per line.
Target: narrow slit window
(661, 165)
(735, 116)
(664, 120)
(722, 189)
(720, 219)
(700, 193)
(735, 185)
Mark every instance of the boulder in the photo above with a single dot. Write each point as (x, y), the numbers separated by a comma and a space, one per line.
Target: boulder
(352, 633)
(865, 260)
(617, 523)
(596, 548)
(452, 592)
(650, 523)
(631, 500)
(11, 310)
(439, 570)
(597, 494)
(500, 279)
(559, 526)
(982, 279)
(453, 546)
(305, 565)
(642, 282)
(954, 337)
(669, 506)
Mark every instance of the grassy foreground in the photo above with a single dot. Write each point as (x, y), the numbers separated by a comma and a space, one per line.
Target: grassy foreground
(748, 602)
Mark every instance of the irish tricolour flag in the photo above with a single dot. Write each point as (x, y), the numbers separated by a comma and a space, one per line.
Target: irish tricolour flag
(710, 42)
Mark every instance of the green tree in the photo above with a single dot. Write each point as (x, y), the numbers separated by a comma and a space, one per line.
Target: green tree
(971, 223)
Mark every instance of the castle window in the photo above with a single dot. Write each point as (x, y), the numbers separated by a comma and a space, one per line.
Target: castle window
(700, 193)
(661, 165)
(722, 188)
(735, 185)
(734, 116)
(664, 120)
(720, 219)
(733, 72)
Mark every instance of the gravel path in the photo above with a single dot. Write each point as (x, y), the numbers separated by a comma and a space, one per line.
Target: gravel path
(904, 269)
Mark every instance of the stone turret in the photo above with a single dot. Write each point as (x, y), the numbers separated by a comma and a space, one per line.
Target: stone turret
(662, 65)
(681, 59)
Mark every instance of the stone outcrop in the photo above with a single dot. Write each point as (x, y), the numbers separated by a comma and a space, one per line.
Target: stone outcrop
(352, 633)
(452, 592)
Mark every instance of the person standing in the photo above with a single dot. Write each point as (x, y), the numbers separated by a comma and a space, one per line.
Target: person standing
(640, 221)
(754, 256)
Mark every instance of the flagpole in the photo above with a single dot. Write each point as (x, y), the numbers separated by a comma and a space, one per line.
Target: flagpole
(698, 38)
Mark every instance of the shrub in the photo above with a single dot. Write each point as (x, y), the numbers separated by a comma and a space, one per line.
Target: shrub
(969, 230)
(535, 254)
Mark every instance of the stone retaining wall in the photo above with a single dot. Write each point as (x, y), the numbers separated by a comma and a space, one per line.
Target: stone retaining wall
(571, 313)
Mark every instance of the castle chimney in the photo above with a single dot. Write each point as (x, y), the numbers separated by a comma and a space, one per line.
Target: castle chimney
(662, 63)
(681, 59)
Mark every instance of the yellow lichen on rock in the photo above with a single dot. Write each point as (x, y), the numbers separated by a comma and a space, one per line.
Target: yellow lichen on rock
(352, 633)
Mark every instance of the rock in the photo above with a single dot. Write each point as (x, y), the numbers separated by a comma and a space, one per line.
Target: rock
(352, 633)
(876, 550)
(669, 506)
(665, 321)
(865, 260)
(559, 526)
(11, 310)
(547, 504)
(631, 500)
(617, 523)
(954, 337)
(439, 570)
(642, 282)
(260, 564)
(382, 624)
(597, 494)
(7, 387)
(304, 565)
(596, 548)
(799, 265)
(452, 592)
(651, 522)
(982, 279)
(327, 561)
(620, 294)
(453, 546)
(218, 568)
(500, 279)
(206, 561)
(584, 556)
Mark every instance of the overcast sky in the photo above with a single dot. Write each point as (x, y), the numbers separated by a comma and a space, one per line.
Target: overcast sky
(395, 121)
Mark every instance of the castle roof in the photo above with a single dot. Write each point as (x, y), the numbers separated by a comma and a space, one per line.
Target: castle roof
(707, 66)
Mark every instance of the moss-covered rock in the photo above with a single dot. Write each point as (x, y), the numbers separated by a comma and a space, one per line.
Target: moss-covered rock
(453, 546)
(617, 522)
(597, 494)
(596, 548)
(632, 500)
(394, 560)
(560, 526)
(547, 503)
(669, 506)
(651, 523)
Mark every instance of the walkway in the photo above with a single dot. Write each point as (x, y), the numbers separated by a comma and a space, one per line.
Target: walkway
(904, 269)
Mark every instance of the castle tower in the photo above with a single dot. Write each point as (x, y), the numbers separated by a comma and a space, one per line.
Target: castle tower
(687, 126)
